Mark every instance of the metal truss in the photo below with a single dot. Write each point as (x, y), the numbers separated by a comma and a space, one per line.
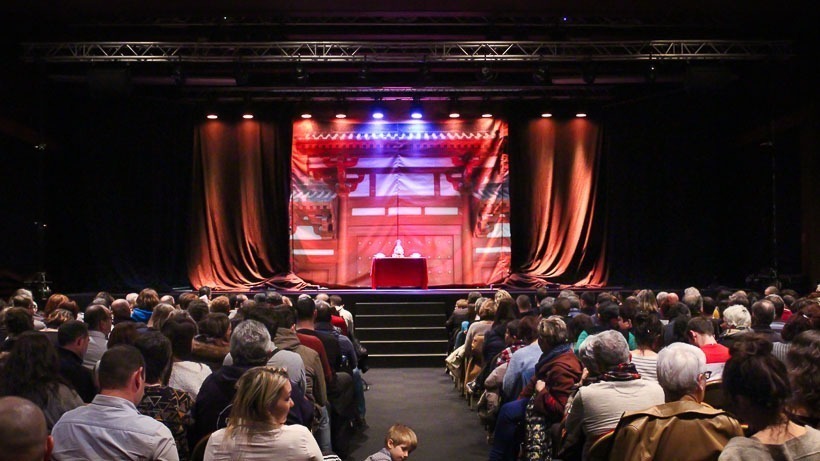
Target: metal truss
(407, 52)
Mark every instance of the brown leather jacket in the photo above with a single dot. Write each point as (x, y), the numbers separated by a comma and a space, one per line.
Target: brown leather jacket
(684, 429)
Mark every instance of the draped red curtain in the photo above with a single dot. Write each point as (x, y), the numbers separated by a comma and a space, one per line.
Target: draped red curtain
(239, 221)
(557, 221)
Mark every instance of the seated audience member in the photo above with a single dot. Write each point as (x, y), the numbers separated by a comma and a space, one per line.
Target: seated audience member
(220, 304)
(738, 321)
(204, 293)
(675, 330)
(486, 314)
(557, 371)
(124, 333)
(762, 318)
(324, 314)
(286, 339)
(779, 307)
(520, 369)
(198, 309)
(453, 323)
(399, 442)
(121, 311)
(53, 302)
(336, 303)
(804, 375)
(99, 321)
(111, 427)
(167, 405)
(757, 386)
(32, 371)
(250, 347)
(494, 343)
(702, 335)
(185, 300)
(53, 321)
(648, 330)
(647, 302)
(16, 320)
(186, 375)
(168, 299)
(523, 304)
(23, 432)
(213, 342)
(596, 408)
(72, 341)
(256, 425)
(681, 425)
(132, 299)
(161, 313)
(609, 318)
(808, 318)
(144, 307)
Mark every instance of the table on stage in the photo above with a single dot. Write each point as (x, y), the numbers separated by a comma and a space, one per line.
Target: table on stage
(398, 272)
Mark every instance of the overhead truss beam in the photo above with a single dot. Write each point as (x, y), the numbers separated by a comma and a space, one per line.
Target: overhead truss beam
(406, 52)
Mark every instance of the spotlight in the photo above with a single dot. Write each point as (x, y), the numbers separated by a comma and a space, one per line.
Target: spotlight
(306, 115)
(485, 108)
(378, 110)
(546, 115)
(364, 72)
(341, 109)
(416, 109)
(453, 109)
(651, 72)
(542, 75)
(247, 112)
(301, 74)
(211, 116)
(486, 75)
(581, 114)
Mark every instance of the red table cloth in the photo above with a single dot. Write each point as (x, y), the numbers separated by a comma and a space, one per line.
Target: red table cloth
(398, 272)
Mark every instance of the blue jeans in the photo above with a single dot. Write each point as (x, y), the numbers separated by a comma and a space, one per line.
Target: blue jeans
(505, 442)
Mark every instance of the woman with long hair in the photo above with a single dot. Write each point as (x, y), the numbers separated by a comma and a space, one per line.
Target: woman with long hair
(32, 371)
(757, 387)
(256, 427)
(804, 373)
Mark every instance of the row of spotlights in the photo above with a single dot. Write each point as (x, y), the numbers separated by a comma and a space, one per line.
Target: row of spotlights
(378, 114)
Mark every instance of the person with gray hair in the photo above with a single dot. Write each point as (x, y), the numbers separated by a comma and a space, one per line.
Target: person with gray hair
(23, 434)
(250, 346)
(681, 425)
(693, 300)
(738, 321)
(596, 408)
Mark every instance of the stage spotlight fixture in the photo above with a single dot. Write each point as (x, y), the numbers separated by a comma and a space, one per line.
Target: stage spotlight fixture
(542, 75)
(486, 75)
(651, 72)
(416, 109)
(485, 108)
(364, 72)
(546, 114)
(378, 110)
(301, 74)
(341, 109)
(581, 114)
(247, 109)
(211, 116)
(452, 110)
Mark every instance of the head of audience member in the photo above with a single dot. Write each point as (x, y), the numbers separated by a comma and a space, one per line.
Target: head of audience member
(552, 332)
(586, 354)
(588, 300)
(185, 300)
(31, 369)
(550, 306)
(693, 300)
(221, 304)
(121, 310)
(609, 350)
(305, 309)
(106, 296)
(156, 351)
(400, 441)
(215, 326)
(121, 373)
(285, 316)
(647, 301)
(262, 400)
(679, 310)
(737, 317)
(147, 300)
(502, 294)
(132, 299)
(630, 308)
(671, 299)
(756, 383)
(808, 318)
(660, 298)
(523, 303)
(505, 311)
(266, 315)
(461, 304)
(181, 333)
(701, 331)
(160, 315)
(579, 324)
(511, 332)
(648, 331)
(168, 299)
(23, 432)
(609, 317)
(771, 290)
(709, 306)
(681, 371)
(123, 333)
(238, 300)
(198, 309)
(261, 298)
(58, 317)
(323, 312)
(779, 305)
(204, 293)
(97, 302)
(73, 335)
(323, 297)
(540, 294)
(487, 310)
(53, 302)
(274, 298)
(98, 318)
(17, 321)
(251, 344)
(803, 359)
(740, 297)
(762, 314)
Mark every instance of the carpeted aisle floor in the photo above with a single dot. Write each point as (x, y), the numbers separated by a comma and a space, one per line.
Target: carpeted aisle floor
(424, 399)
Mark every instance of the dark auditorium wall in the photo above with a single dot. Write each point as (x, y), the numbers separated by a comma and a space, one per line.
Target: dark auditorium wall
(686, 189)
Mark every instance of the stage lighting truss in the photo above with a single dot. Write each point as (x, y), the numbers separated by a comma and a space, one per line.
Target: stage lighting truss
(407, 52)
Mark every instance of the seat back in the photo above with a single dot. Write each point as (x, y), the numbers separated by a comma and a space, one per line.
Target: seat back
(714, 395)
(599, 451)
(198, 453)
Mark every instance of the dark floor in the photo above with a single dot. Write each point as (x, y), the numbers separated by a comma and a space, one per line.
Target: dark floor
(424, 399)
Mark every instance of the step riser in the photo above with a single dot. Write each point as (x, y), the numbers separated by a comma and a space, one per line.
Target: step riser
(406, 348)
(378, 334)
(365, 321)
(405, 362)
(399, 308)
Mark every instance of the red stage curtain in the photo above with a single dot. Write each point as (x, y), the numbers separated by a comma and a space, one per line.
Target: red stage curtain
(557, 222)
(241, 184)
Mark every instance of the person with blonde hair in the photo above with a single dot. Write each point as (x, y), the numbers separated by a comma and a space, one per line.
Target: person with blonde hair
(256, 426)
(399, 442)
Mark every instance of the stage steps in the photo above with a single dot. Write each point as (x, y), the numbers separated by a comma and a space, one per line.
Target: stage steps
(402, 333)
